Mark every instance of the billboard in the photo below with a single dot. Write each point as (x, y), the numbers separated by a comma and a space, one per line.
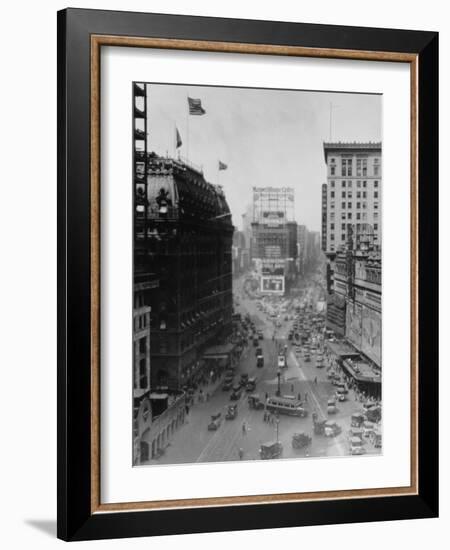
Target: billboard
(371, 334)
(272, 285)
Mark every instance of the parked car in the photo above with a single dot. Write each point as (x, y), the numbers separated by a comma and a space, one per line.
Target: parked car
(331, 406)
(236, 392)
(356, 446)
(300, 440)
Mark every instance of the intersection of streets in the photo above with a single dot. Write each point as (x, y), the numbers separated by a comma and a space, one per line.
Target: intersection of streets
(242, 437)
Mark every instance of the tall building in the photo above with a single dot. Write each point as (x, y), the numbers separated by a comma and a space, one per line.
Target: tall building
(274, 238)
(183, 236)
(352, 194)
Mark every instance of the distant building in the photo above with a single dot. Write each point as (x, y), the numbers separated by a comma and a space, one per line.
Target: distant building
(274, 238)
(352, 194)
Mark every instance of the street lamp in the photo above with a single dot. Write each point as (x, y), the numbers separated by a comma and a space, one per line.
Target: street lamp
(279, 378)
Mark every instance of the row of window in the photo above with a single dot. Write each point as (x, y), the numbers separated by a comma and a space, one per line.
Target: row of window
(361, 167)
(358, 226)
(349, 183)
(349, 205)
(349, 216)
(349, 194)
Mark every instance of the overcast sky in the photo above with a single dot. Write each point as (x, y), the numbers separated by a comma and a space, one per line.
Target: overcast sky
(266, 137)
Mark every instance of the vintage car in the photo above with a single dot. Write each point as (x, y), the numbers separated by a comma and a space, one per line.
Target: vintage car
(231, 413)
(331, 406)
(227, 385)
(236, 392)
(301, 440)
(272, 449)
(320, 363)
(341, 395)
(368, 428)
(356, 446)
(251, 384)
(216, 420)
(281, 361)
(244, 378)
(260, 361)
(331, 429)
(255, 402)
(307, 357)
(357, 420)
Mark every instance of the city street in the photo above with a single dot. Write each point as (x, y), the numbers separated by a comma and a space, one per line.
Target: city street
(242, 437)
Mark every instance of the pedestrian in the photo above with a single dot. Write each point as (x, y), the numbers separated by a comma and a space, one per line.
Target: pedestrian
(243, 428)
(265, 416)
(299, 396)
(241, 454)
(187, 409)
(315, 380)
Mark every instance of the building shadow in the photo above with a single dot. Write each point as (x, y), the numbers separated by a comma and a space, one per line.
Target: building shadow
(47, 526)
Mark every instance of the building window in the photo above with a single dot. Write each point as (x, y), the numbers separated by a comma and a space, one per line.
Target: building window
(343, 227)
(364, 205)
(375, 226)
(343, 237)
(364, 184)
(332, 204)
(332, 170)
(331, 215)
(349, 205)
(364, 194)
(343, 184)
(375, 215)
(343, 205)
(349, 194)
(343, 194)
(364, 216)
(358, 184)
(346, 167)
(332, 236)
(358, 216)
(361, 167)
(142, 345)
(349, 183)
(331, 226)
(358, 226)
(343, 216)
(375, 206)
(349, 216)
(358, 205)
(332, 183)
(375, 183)
(332, 194)
(375, 194)
(358, 194)
(376, 166)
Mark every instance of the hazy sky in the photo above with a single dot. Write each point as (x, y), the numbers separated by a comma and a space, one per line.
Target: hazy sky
(266, 137)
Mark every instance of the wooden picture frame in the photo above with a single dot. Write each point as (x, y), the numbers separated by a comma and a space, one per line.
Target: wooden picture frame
(81, 35)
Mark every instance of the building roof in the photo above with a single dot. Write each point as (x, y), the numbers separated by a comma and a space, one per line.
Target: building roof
(350, 146)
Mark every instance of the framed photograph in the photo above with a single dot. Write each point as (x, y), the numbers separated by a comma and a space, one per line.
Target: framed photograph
(247, 255)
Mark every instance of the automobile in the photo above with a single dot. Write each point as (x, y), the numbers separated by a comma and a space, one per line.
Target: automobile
(355, 432)
(281, 361)
(260, 361)
(307, 357)
(342, 387)
(216, 421)
(331, 406)
(332, 429)
(290, 336)
(231, 413)
(356, 446)
(251, 384)
(260, 335)
(272, 449)
(301, 440)
(255, 342)
(226, 386)
(236, 392)
(255, 402)
(258, 351)
(357, 420)
(376, 439)
(341, 396)
(368, 429)
(320, 363)
(244, 378)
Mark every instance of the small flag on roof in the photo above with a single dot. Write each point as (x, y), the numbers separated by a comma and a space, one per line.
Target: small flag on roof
(222, 165)
(195, 107)
(178, 140)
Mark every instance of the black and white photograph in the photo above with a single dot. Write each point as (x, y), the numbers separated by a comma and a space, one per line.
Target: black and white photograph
(257, 274)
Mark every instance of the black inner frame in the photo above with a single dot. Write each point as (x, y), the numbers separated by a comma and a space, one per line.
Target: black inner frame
(75, 521)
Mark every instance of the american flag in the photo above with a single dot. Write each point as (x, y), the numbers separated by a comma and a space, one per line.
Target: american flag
(195, 107)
